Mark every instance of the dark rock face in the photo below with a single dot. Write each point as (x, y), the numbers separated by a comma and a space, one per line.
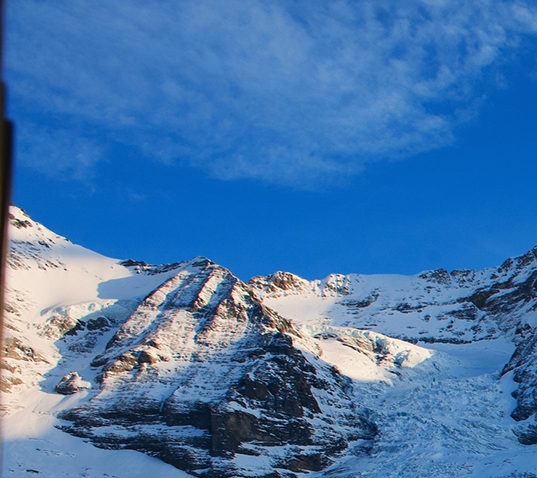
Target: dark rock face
(203, 373)
(150, 269)
(71, 383)
(439, 276)
(512, 301)
(98, 323)
(361, 304)
(525, 374)
(528, 435)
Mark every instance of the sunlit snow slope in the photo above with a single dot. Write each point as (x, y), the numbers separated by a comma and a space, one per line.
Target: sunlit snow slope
(124, 369)
(51, 285)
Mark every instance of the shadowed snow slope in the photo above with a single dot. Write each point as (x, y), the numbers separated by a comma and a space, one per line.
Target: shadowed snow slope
(426, 375)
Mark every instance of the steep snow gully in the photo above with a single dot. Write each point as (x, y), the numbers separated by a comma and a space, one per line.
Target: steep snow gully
(124, 369)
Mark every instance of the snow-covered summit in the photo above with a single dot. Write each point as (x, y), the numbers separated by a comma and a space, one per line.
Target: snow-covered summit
(433, 306)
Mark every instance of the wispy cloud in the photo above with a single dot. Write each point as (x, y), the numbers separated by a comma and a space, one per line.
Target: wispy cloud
(294, 92)
(57, 153)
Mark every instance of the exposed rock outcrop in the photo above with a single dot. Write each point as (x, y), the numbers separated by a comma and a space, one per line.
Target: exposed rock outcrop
(71, 383)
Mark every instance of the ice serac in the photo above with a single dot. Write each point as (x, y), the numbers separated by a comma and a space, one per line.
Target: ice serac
(203, 376)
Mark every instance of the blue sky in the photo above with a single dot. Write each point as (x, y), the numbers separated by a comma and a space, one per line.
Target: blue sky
(313, 137)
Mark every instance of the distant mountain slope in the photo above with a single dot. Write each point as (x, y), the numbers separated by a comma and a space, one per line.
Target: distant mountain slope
(347, 376)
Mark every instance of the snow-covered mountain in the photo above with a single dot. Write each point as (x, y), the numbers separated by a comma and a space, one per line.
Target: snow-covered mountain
(124, 369)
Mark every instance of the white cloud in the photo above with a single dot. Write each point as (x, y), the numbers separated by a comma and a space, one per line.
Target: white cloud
(57, 153)
(286, 91)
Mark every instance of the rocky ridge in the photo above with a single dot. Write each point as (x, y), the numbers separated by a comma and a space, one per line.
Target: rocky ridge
(203, 373)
